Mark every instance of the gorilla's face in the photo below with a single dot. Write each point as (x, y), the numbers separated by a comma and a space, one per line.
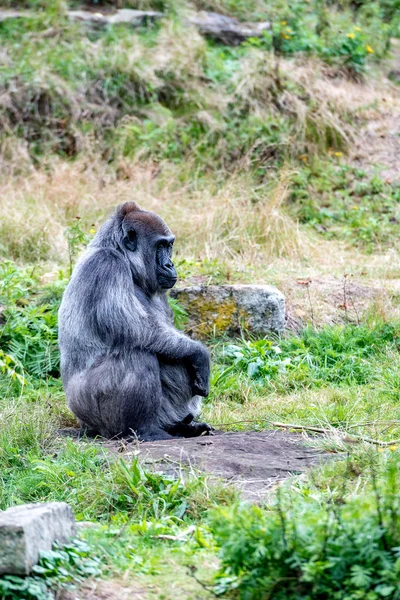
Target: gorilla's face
(165, 270)
(148, 242)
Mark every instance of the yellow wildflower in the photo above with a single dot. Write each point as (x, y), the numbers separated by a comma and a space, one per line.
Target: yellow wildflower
(338, 153)
(369, 49)
(351, 35)
(285, 36)
(283, 22)
(357, 28)
(381, 450)
(92, 231)
(355, 207)
(394, 447)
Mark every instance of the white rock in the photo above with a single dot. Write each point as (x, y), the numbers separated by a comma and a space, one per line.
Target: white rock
(29, 529)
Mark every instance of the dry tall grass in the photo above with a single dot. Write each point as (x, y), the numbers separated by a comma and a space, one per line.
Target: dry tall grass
(234, 221)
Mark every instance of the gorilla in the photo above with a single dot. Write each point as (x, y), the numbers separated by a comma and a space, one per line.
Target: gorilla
(126, 370)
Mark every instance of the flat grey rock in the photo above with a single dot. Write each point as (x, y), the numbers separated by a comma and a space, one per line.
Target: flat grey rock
(227, 30)
(253, 461)
(29, 529)
(229, 309)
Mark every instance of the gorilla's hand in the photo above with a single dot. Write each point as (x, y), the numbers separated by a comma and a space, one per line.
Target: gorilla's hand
(199, 371)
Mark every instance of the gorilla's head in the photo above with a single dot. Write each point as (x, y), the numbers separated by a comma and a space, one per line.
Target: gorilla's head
(148, 243)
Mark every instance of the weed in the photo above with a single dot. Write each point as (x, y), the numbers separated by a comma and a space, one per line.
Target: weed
(59, 568)
(312, 546)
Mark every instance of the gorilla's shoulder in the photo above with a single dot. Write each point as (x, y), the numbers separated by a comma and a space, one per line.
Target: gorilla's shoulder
(105, 260)
(101, 267)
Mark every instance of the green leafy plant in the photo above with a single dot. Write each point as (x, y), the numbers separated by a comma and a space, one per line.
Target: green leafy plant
(10, 367)
(28, 333)
(260, 360)
(77, 239)
(180, 314)
(59, 568)
(334, 355)
(309, 546)
(352, 51)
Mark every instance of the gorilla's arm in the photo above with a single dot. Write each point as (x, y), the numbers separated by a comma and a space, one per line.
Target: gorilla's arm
(120, 316)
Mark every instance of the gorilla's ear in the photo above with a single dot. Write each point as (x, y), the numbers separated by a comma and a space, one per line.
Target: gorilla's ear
(130, 240)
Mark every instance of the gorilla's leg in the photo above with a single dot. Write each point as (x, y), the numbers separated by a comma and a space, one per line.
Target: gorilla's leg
(120, 395)
(181, 407)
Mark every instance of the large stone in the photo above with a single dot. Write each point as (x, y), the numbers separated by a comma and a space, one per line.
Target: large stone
(230, 309)
(27, 530)
(226, 30)
(125, 16)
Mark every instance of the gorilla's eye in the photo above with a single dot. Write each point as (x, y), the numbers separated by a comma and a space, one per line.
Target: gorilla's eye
(164, 252)
(160, 252)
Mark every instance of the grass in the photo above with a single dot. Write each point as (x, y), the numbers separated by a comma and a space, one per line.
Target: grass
(247, 153)
(351, 206)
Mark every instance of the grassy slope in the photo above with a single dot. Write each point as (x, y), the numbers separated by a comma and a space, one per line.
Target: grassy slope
(253, 174)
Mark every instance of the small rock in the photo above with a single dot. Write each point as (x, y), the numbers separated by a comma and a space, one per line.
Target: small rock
(29, 529)
(227, 309)
(125, 16)
(5, 15)
(227, 30)
(89, 18)
(135, 18)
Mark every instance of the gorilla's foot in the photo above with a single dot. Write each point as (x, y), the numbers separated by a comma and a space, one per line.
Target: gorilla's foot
(192, 429)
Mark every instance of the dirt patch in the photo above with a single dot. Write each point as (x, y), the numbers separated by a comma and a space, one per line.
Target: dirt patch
(253, 460)
(104, 590)
(327, 300)
(378, 148)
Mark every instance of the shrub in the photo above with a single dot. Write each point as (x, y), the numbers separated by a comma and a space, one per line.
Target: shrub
(57, 569)
(311, 547)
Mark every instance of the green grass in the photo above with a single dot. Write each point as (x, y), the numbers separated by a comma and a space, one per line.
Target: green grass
(137, 99)
(342, 202)
(165, 115)
(336, 355)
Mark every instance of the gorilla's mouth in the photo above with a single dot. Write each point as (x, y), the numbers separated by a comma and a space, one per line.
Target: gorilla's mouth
(167, 282)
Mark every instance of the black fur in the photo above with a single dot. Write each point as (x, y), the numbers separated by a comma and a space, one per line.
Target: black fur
(126, 370)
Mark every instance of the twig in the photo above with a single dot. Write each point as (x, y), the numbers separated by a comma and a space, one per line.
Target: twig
(311, 304)
(354, 437)
(176, 538)
(355, 309)
(192, 573)
(345, 296)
